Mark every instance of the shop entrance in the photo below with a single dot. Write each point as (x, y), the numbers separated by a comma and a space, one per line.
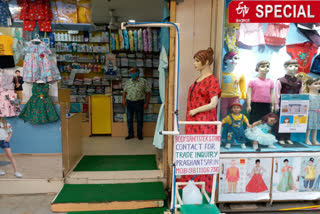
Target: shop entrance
(91, 96)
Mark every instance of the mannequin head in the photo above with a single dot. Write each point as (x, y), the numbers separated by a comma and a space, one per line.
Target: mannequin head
(313, 84)
(271, 119)
(263, 67)
(236, 108)
(291, 66)
(231, 58)
(202, 59)
(286, 162)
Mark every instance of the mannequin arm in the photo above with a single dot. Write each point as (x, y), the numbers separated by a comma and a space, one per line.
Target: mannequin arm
(213, 104)
(277, 95)
(249, 92)
(272, 99)
(242, 84)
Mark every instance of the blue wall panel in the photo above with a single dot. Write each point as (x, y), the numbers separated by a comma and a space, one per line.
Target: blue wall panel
(35, 138)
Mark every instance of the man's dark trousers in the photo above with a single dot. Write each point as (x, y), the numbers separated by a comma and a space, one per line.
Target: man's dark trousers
(135, 107)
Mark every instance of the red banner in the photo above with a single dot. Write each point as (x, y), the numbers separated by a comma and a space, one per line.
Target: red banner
(274, 11)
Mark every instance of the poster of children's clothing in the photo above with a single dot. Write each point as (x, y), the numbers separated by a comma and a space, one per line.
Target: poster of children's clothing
(296, 178)
(294, 113)
(245, 179)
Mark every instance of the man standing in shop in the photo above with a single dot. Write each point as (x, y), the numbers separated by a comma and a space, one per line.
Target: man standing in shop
(136, 96)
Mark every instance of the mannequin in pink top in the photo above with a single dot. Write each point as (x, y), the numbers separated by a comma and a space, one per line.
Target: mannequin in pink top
(260, 95)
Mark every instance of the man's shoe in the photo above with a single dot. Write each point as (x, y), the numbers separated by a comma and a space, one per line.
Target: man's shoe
(129, 137)
(140, 138)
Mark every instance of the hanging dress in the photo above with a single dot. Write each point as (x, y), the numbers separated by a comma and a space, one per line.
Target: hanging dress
(8, 98)
(36, 10)
(38, 65)
(39, 109)
(5, 15)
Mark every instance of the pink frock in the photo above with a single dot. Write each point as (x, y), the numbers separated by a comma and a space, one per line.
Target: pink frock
(7, 98)
(276, 34)
(250, 34)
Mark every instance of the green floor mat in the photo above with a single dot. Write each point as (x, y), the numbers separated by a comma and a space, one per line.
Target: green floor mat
(117, 163)
(81, 193)
(139, 211)
(199, 209)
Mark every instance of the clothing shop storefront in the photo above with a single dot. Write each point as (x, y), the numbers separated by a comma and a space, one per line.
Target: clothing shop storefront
(68, 90)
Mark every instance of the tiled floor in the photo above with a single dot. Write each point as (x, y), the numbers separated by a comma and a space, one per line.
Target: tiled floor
(26, 204)
(33, 166)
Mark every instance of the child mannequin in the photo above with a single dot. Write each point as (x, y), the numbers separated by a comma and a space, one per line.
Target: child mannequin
(5, 136)
(235, 130)
(260, 131)
(313, 87)
(260, 96)
(289, 84)
(230, 83)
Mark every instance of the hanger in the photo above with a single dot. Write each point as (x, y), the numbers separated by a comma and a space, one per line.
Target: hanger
(36, 40)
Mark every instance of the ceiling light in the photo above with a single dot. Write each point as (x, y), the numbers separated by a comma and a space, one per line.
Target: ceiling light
(132, 21)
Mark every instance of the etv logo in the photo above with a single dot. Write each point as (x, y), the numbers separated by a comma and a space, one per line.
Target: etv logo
(244, 10)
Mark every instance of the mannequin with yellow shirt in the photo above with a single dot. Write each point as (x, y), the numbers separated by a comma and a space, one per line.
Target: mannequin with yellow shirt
(231, 82)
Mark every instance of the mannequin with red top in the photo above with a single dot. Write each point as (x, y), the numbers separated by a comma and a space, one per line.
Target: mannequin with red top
(203, 98)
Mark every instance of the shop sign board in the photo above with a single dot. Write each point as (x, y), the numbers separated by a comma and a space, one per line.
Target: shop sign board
(197, 154)
(274, 11)
(294, 113)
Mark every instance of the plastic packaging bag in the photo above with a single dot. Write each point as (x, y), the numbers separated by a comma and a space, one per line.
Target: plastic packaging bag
(191, 194)
(84, 11)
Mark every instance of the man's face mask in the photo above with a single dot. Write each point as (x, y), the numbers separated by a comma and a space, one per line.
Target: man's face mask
(134, 75)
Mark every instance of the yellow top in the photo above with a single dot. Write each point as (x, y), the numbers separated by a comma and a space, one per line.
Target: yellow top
(5, 45)
(226, 21)
(310, 173)
(228, 120)
(230, 83)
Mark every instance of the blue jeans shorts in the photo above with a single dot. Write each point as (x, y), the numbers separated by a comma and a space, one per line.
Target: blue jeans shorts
(4, 144)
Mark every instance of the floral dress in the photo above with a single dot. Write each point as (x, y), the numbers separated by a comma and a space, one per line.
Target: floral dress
(39, 109)
(200, 93)
(8, 99)
(38, 65)
(5, 14)
(36, 10)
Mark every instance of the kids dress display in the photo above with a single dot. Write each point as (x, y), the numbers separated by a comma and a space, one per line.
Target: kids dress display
(8, 98)
(38, 65)
(39, 109)
(5, 15)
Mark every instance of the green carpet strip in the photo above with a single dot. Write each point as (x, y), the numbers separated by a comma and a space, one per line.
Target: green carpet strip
(199, 209)
(139, 211)
(117, 163)
(78, 193)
